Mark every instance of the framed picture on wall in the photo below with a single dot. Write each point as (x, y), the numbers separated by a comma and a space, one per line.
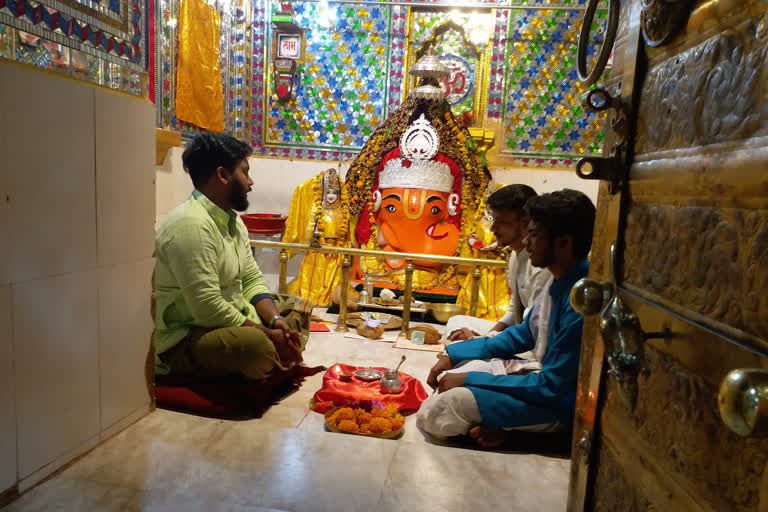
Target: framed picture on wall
(289, 46)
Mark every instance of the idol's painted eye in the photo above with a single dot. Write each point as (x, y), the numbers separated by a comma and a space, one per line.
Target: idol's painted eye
(435, 210)
(390, 208)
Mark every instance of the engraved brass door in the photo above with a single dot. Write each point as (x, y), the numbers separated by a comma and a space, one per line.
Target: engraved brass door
(691, 222)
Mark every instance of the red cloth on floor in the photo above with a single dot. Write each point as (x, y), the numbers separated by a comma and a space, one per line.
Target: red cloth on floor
(227, 396)
(335, 392)
(319, 328)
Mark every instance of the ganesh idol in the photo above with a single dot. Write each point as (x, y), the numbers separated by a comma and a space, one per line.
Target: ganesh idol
(417, 199)
(420, 198)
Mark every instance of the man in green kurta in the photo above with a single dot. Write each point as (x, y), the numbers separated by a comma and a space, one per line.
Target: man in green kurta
(214, 313)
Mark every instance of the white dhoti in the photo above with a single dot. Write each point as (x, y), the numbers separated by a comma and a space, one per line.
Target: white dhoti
(455, 412)
(449, 414)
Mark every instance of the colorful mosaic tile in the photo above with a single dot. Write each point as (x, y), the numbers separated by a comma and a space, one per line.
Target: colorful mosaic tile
(6, 44)
(340, 91)
(541, 105)
(74, 25)
(234, 59)
(27, 48)
(465, 86)
(354, 74)
(98, 41)
(257, 75)
(496, 73)
(397, 57)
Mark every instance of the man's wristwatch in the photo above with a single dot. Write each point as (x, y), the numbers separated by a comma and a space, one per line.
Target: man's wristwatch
(272, 321)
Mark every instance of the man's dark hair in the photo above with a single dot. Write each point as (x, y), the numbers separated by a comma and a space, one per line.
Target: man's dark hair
(565, 212)
(510, 198)
(208, 151)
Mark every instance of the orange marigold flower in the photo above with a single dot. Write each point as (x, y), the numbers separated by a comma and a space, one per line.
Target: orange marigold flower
(333, 418)
(392, 409)
(360, 183)
(348, 425)
(364, 417)
(380, 425)
(379, 413)
(345, 413)
(397, 423)
(355, 198)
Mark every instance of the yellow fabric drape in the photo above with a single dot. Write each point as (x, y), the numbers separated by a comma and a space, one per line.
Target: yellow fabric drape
(493, 296)
(298, 226)
(199, 93)
(319, 273)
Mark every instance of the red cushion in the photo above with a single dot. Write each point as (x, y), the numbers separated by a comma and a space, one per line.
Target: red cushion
(319, 328)
(227, 396)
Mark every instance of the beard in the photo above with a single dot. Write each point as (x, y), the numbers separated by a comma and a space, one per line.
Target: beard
(238, 196)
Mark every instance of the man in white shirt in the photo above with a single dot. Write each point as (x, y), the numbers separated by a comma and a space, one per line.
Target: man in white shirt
(526, 282)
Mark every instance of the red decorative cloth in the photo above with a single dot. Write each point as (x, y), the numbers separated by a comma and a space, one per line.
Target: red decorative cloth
(335, 392)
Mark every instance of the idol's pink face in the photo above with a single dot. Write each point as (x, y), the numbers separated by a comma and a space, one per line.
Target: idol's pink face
(415, 221)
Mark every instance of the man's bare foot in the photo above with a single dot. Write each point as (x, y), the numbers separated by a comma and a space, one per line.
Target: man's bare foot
(488, 437)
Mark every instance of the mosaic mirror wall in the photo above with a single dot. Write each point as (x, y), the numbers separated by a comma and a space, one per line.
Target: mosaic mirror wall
(513, 68)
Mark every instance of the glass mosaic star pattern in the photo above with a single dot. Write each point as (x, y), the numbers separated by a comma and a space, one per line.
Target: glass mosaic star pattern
(465, 65)
(541, 102)
(340, 92)
(354, 74)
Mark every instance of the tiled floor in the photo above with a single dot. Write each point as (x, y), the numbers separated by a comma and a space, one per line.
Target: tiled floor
(287, 461)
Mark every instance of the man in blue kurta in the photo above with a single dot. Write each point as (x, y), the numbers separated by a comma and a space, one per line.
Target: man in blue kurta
(487, 405)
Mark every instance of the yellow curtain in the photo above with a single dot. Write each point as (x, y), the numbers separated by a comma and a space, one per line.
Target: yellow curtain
(199, 94)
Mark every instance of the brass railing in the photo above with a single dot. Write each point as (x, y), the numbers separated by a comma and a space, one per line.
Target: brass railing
(409, 258)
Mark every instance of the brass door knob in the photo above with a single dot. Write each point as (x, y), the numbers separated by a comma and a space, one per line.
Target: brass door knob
(743, 401)
(584, 444)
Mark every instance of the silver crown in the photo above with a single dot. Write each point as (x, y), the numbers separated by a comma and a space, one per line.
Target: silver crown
(419, 144)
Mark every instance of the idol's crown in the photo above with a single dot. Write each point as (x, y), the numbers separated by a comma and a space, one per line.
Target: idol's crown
(419, 144)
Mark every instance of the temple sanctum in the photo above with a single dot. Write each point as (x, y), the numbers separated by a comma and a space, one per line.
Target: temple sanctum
(384, 255)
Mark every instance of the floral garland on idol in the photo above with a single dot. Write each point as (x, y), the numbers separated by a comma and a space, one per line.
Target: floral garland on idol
(363, 173)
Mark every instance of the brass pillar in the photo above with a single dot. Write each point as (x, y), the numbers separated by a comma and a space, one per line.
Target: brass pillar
(476, 275)
(407, 297)
(283, 286)
(346, 265)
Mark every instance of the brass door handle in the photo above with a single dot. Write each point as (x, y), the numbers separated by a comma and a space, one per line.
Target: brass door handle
(605, 48)
(620, 328)
(743, 401)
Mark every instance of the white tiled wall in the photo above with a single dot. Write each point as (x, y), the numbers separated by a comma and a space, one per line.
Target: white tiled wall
(8, 473)
(125, 331)
(49, 136)
(75, 268)
(56, 344)
(172, 184)
(545, 180)
(125, 179)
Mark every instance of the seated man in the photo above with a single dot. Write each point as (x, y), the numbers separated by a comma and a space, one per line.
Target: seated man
(214, 314)
(487, 406)
(510, 226)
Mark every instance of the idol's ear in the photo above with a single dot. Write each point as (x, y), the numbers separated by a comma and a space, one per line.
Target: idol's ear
(453, 203)
(376, 200)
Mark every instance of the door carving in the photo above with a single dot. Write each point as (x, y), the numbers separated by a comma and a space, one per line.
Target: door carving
(687, 205)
